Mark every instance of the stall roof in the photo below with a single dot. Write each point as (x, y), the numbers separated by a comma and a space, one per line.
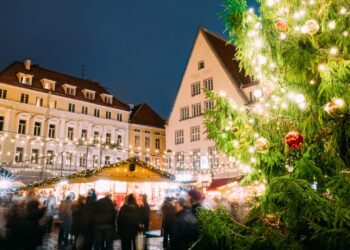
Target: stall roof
(216, 183)
(120, 171)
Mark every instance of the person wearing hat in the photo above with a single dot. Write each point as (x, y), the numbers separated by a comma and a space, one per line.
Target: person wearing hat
(195, 200)
(185, 229)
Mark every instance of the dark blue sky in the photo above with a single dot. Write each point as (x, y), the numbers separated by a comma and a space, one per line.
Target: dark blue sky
(138, 49)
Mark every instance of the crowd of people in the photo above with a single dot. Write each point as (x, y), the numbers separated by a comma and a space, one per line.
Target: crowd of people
(88, 223)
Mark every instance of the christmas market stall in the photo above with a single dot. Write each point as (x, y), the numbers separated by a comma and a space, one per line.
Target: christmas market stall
(120, 179)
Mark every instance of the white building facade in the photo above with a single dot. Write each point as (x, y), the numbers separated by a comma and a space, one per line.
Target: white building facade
(51, 123)
(210, 66)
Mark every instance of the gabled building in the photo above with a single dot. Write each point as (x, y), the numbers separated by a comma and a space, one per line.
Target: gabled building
(147, 135)
(211, 66)
(50, 121)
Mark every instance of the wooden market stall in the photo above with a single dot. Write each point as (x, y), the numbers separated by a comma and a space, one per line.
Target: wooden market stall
(120, 179)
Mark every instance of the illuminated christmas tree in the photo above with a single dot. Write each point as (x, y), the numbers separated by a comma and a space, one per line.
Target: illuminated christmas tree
(296, 137)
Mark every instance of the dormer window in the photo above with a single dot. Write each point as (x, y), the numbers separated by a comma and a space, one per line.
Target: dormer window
(107, 98)
(48, 84)
(69, 89)
(25, 78)
(89, 94)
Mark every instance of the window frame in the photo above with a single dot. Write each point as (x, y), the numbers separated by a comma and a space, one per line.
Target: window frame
(195, 89)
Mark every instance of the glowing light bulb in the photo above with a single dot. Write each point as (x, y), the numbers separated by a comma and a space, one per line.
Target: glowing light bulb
(284, 105)
(222, 93)
(258, 93)
(251, 150)
(312, 82)
(333, 51)
(322, 67)
(332, 24)
(299, 98)
(345, 33)
(262, 60)
(342, 11)
(283, 36)
(258, 43)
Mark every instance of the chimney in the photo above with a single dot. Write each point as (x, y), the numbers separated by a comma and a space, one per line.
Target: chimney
(27, 64)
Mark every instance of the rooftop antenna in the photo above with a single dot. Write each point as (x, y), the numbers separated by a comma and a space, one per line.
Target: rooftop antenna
(83, 71)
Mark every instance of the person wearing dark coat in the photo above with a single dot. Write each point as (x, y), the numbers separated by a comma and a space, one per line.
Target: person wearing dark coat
(145, 212)
(88, 221)
(77, 220)
(33, 234)
(168, 220)
(185, 229)
(195, 200)
(105, 215)
(129, 221)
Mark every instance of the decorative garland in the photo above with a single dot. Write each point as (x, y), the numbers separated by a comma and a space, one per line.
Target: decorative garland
(90, 172)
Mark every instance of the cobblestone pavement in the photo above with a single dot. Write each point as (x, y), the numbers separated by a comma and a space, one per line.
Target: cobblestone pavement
(50, 243)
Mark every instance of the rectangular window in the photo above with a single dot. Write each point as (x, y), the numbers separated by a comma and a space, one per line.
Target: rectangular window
(179, 136)
(208, 105)
(180, 160)
(37, 128)
(168, 162)
(119, 117)
(82, 160)
(69, 159)
(108, 114)
(22, 126)
(49, 157)
(96, 137)
(213, 157)
(208, 84)
(3, 93)
(70, 91)
(19, 154)
(84, 110)
(108, 138)
(70, 133)
(107, 160)
(1, 123)
(24, 98)
(84, 134)
(35, 156)
(96, 112)
(196, 159)
(147, 142)
(108, 100)
(119, 141)
(71, 107)
(200, 65)
(195, 88)
(39, 102)
(184, 113)
(52, 130)
(137, 141)
(252, 98)
(90, 96)
(157, 143)
(196, 110)
(195, 136)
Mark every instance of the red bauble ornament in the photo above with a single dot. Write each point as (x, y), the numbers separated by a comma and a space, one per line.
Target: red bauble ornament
(281, 24)
(294, 140)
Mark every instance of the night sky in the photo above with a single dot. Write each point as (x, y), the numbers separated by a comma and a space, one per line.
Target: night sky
(137, 49)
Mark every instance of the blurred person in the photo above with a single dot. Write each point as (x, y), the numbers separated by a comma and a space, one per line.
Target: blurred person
(195, 201)
(65, 215)
(77, 221)
(168, 212)
(33, 233)
(185, 228)
(89, 220)
(129, 220)
(50, 209)
(145, 213)
(105, 216)
(15, 225)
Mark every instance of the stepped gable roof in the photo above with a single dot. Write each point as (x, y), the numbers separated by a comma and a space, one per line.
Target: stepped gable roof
(9, 76)
(143, 114)
(226, 52)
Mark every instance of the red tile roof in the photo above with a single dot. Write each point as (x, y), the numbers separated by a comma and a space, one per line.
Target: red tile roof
(226, 52)
(9, 76)
(144, 115)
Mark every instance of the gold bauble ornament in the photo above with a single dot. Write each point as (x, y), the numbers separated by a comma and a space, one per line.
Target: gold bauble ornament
(336, 108)
(262, 145)
(310, 27)
(234, 129)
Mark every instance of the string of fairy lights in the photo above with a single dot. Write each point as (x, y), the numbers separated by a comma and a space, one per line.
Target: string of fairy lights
(271, 96)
